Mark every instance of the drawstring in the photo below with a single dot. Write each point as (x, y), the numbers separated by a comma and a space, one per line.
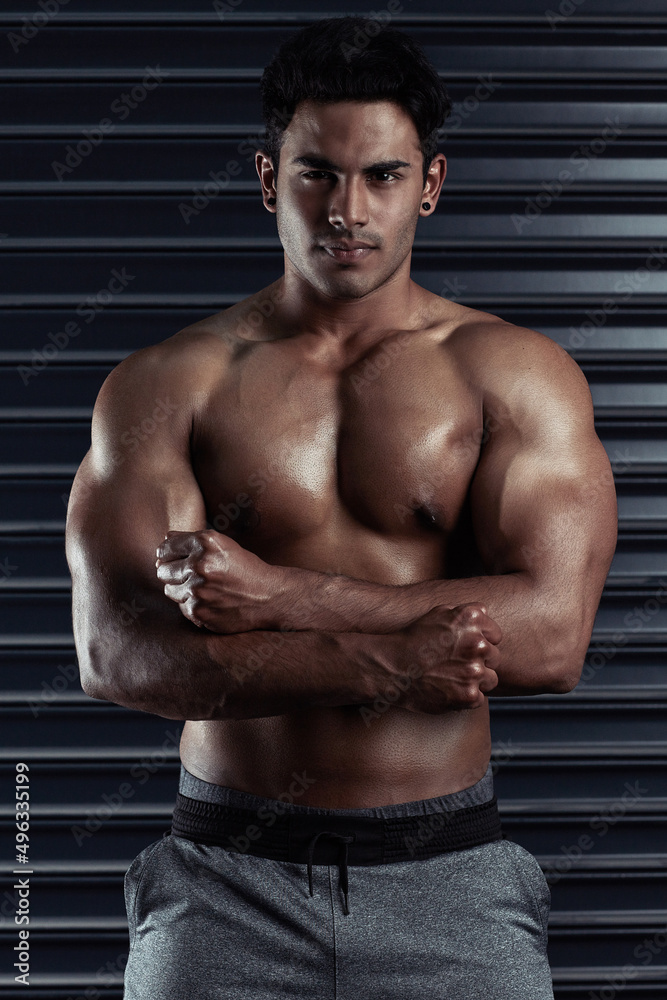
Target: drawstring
(343, 865)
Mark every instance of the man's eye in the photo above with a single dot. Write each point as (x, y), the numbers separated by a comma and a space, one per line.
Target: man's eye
(316, 174)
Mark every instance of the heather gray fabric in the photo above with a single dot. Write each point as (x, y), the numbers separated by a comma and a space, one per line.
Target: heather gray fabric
(206, 923)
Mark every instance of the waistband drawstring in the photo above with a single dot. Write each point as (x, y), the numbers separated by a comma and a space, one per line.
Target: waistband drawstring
(345, 840)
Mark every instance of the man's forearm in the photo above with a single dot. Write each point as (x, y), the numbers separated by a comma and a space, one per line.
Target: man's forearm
(187, 674)
(313, 600)
(535, 637)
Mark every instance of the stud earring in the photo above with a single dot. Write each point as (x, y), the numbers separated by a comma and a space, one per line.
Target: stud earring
(271, 201)
(426, 205)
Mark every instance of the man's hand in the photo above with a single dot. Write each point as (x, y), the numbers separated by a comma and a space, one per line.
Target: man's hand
(450, 656)
(217, 583)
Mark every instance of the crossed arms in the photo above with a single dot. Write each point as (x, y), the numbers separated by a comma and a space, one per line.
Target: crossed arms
(239, 638)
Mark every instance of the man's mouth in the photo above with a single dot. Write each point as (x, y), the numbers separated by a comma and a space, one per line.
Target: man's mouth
(348, 250)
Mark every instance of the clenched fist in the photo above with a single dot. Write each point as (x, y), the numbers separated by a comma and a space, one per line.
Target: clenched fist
(450, 656)
(218, 584)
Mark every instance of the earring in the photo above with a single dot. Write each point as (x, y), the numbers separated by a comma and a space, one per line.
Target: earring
(271, 201)
(426, 205)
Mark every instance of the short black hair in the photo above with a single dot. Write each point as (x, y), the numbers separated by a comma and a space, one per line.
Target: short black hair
(352, 59)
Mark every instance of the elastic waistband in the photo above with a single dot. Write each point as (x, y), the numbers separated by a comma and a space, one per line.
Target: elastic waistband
(294, 833)
(196, 788)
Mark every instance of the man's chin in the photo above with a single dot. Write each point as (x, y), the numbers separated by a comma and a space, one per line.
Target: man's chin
(346, 284)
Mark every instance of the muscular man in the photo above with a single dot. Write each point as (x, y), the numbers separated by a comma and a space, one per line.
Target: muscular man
(356, 510)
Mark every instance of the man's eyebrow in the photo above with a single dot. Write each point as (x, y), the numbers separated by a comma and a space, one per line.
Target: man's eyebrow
(321, 163)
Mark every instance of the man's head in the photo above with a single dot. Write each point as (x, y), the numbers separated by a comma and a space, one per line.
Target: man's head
(352, 59)
(352, 117)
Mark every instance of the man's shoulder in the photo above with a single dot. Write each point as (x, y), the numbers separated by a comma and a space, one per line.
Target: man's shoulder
(189, 352)
(178, 372)
(499, 353)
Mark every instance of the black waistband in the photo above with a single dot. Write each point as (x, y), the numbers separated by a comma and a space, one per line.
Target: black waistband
(364, 840)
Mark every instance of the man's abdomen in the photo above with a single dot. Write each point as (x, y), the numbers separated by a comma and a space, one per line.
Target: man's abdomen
(349, 757)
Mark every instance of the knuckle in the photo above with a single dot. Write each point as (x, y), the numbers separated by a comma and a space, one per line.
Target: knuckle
(470, 695)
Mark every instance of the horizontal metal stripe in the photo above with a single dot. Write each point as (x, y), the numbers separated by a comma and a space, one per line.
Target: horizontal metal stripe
(39, 471)
(608, 866)
(83, 754)
(629, 415)
(77, 814)
(598, 978)
(642, 584)
(212, 302)
(596, 694)
(33, 641)
(610, 13)
(72, 132)
(70, 925)
(620, 921)
(652, 529)
(46, 641)
(32, 528)
(533, 755)
(608, 75)
(152, 165)
(545, 809)
(542, 704)
(162, 244)
(187, 188)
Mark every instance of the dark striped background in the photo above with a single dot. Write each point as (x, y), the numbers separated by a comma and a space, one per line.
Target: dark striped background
(580, 777)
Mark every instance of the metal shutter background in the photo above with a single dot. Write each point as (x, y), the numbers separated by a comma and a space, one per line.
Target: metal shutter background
(503, 239)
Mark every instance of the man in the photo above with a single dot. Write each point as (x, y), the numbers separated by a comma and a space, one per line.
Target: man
(371, 508)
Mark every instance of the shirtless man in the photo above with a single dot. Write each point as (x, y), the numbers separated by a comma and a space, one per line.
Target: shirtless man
(362, 510)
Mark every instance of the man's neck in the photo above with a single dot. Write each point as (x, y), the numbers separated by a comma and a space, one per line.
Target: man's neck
(389, 307)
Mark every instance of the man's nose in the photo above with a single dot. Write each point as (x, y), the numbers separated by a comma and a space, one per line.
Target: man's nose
(348, 206)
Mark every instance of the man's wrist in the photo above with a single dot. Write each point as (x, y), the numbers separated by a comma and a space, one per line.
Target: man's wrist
(295, 597)
(273, 611)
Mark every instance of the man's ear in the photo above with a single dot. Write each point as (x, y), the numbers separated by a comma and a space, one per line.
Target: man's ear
(435, 178)
(267, 177)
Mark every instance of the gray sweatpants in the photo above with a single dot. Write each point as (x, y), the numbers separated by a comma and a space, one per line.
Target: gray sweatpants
(209, 923)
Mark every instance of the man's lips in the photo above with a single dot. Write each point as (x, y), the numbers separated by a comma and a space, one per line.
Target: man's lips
(348, 251)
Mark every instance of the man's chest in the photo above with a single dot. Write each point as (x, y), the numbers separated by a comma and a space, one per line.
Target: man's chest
(290, 447)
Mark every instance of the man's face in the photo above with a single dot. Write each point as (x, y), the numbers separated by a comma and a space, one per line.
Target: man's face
(350, 171)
